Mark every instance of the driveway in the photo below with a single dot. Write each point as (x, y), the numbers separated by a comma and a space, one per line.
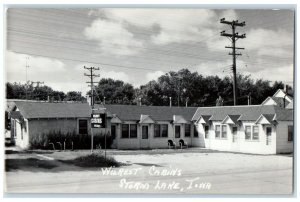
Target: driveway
(188, 172)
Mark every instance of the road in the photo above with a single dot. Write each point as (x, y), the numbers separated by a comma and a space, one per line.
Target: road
(266, 175)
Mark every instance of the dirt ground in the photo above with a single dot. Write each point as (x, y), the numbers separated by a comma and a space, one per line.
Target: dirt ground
(189, 171)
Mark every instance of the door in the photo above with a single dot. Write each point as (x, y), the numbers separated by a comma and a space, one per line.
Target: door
(235, 143)
(234, 134)
(145, 137)
(269, 135)
(113, 131)
(177, 131)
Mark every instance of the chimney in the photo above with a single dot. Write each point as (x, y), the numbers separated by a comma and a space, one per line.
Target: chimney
(140, 101)
(170, 101)
(104, 100)
(286, 90)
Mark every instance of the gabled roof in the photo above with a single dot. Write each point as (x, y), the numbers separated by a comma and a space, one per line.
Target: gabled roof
(179, 119)
(115, 119)
(265, 119)
(233, 119)
(276, 94)
(283, 114)
(15, 115)
(53, 110)
(204, 119)
(247, 112)
(157, 113)
(146, 119)
(277, 100)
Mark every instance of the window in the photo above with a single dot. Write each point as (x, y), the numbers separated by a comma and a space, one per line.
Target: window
(177, 131)
(156, 130)
(164, 130)
(255, 133)
(221, 134)
(125, 130)
(187, 130)
(144, 132)
(290, 133)
(224, 131)
(82, 127)
(218, 131)
(206, 129)
(251, 134)
(113, 131)
(161, 130)
(248, 132)
(133, 131)
(195, 131)
(129, 131)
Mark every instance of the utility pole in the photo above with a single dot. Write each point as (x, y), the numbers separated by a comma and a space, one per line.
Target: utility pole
(92, 75)
(26, 82)
(234, 37)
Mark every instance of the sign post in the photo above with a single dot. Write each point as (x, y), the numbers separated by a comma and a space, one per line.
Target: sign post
(97, 121)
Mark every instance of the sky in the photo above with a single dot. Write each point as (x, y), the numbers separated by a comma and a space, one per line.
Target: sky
(138, 45)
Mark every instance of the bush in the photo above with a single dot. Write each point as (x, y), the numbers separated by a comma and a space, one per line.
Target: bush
(42, 141)
(94, 160)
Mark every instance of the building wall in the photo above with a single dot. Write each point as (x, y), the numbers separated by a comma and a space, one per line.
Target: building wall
(283, 145)
(38, 127)
(152, 142)
(20, 135)
(240, 144)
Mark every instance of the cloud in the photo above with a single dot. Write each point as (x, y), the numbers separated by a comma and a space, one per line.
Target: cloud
(174, 25)
(153, 75)
(39, 67)
(115, 75)
(281, 73)
(269, 42)
(214, 68)
(112, 37)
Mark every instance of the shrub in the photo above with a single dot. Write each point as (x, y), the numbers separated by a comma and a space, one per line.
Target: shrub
(42, 140)
(94, 160)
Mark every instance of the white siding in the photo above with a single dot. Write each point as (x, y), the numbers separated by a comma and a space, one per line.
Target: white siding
(283, 145)
(241, 144)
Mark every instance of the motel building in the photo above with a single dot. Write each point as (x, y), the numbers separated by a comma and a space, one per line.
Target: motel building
(257, 129)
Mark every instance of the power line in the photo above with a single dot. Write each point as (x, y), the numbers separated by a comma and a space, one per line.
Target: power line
(234, 37)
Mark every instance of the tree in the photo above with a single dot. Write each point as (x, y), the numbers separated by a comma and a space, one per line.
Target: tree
(74, 96)
(114, 91)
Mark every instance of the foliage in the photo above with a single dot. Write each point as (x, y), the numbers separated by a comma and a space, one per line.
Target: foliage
(198, 90)
(182, 86)
(42, 140)
(94, 160)
(114, 91)
(18, 91)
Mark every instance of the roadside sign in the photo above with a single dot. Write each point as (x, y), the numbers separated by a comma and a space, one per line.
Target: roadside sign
(98, 120)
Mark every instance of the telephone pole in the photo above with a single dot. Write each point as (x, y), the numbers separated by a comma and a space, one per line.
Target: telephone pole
(26, 82)
(234, 37)
(92, 75)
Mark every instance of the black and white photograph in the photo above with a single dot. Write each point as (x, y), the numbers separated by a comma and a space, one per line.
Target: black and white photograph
(153, 100)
